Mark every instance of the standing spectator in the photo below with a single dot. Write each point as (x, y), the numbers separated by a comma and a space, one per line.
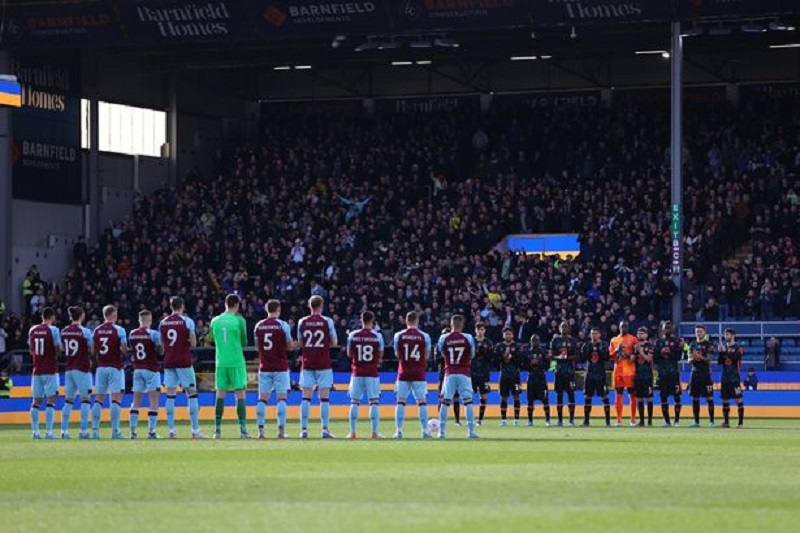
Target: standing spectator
(772, 353)
(80, 252)
(3, 337)
(6, 384)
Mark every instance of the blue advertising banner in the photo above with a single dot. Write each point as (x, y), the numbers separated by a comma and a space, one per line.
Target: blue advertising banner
(588, 98)
(574, 12)
(428, 104)
(45, 152)
(413, 15)
(695, 9)
(284, 19)
(166, 21)
(74, 24)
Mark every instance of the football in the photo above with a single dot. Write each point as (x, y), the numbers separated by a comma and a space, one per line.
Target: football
(433, 425)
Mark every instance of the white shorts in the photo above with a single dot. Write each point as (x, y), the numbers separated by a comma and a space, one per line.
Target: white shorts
(419, 388)
(274, 381)
(316, 378)
(361, 386)
(457, 384)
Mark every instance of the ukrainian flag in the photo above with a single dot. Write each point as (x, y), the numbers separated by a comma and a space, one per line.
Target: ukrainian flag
(10, 93)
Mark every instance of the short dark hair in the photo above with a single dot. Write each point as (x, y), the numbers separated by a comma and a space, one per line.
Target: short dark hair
(232, 300)
(508, 328)
(75, 312)
(534, 337)
(144, 313)
(642, 330)
(595, 328)
(731, 331)
(315, 302)
(368, 317)
(48, 313)
(176, 303)
(273, 306)
(412, 317)
(480, 324)
(108, 311)
(700, 326)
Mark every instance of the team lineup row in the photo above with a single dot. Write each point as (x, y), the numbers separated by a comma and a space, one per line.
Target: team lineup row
(465, 361)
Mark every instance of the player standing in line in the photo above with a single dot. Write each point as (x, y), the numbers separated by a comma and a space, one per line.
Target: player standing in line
(457, 349)
(145, 346)
(701, 353)
(643, 382)
(564, 349)
(481, 367)
(317, 335)
(538, 363)
(273, 337)
(179, 337)
(509, 358)
(440, 364)
(595, 354)
(412, 348)
(730, 357)
(365, 349)
(45, 345)
(668, 354)
(229, 332)
(110, 346)
(621, 351)
(77, 344)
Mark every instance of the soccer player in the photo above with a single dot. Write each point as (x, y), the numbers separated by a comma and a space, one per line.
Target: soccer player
(77, 344)
(317, 335)
(412, 347)
(595, 354)
(365, 349)
(538, 363)
(643, 381)
(668, 354)
(701, 352)
(730, 357)
(509, 357)
(273, 338)
(229, 332)
(440, 364)
(45, 345)
(481, 367)
(621, 351)
(145, 346)
(457, 349)
(178, 337)
(564, 349)
(110, 346)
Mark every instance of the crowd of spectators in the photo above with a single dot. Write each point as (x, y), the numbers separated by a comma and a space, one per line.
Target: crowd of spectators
(399, 212)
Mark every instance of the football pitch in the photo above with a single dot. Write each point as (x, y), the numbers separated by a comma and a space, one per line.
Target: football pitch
(512, 479)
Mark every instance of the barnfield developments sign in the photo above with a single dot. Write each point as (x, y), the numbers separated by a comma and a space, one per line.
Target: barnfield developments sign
(297, 18)
(45, 150)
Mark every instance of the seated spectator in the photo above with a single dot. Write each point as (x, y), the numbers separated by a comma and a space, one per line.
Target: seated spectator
(751, 381)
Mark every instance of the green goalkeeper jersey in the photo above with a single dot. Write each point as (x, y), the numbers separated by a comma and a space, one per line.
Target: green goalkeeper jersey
(230, 337)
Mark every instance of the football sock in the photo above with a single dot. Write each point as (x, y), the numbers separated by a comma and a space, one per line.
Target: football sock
(665, 411)
(133, 418)
(241, 414)
(711, 411)
(516, 408)
(116, 412)
(443, 416)
(35, 419)
(86, 407)
(324, 412)
(374, 416)
(305, 410)
(482, 410)
(457, 411)
(97, 411)
(49, 417)
(261, 413)
(618, 402)
(571, 408)
(649, 412)
(353, 417)
(400, 416)
(587, 411)
(726, 412)
(607, 411)
(170, 406)
(560, 411)
(547, 411)
(219, 410)
(66, 413)
(423, 416)
(503, 408)
(470, 417)
(641, 411)
(634, 403)
(152, 420)
(281, 410)
(696, 410)
(194, 412)
(530, 412)
(741, 414)
(678, 406)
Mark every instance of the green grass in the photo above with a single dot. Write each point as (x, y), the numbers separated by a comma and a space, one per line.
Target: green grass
(513, 479)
